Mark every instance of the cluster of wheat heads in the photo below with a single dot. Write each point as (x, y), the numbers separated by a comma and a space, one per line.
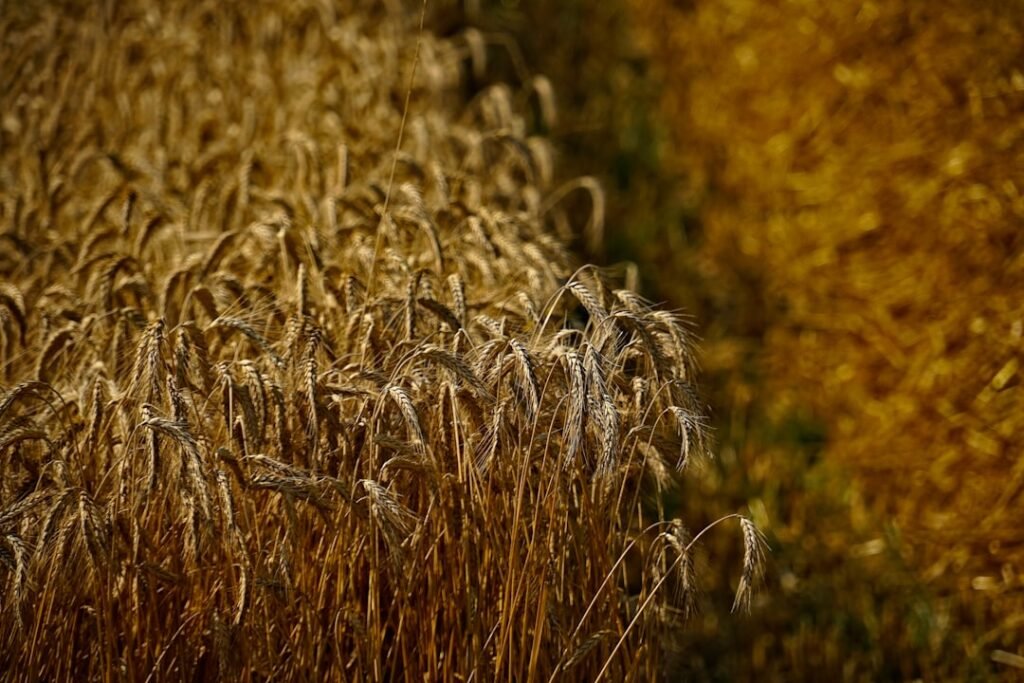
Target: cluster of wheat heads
(860, 162)
(282, 399)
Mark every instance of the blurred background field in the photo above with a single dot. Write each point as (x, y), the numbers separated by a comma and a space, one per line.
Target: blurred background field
(832, 191)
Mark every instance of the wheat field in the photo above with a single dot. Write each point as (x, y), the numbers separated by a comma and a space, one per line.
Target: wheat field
(298, 376)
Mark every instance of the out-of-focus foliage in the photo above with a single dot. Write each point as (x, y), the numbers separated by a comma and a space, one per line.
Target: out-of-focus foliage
(836, 203)
(861, 164)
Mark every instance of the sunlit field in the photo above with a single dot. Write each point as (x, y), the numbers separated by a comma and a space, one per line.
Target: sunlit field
(302, 374)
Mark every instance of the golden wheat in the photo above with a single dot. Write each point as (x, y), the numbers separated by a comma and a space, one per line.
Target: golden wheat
(298, 387)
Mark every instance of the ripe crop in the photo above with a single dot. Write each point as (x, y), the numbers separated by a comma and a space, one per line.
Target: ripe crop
(299, 381)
